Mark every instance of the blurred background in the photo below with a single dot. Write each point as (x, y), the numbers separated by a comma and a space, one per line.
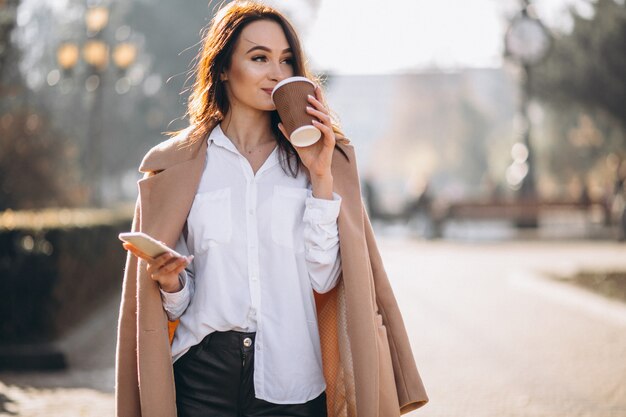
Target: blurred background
(491, 145)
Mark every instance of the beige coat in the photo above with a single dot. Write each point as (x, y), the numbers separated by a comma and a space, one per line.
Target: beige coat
(368, 363)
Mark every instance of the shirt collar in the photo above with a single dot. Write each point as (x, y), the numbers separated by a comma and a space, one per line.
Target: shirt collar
(219, 138)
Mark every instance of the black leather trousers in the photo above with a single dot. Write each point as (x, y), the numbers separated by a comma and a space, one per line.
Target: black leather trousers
(215, 379)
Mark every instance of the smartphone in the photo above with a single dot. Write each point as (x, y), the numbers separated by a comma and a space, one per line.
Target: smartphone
(147, 244)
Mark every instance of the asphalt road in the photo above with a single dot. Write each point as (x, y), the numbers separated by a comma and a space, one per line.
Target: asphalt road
(491, 335)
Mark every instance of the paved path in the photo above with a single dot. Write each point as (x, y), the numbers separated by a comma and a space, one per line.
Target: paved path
(491, 336)
(490, 341)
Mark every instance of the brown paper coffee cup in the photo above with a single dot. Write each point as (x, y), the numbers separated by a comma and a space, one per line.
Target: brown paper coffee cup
(290, 98)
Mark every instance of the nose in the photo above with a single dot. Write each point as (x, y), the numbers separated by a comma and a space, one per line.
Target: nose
(277, 73)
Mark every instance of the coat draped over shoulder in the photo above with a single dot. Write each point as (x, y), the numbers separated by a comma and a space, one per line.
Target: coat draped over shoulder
(368, 364)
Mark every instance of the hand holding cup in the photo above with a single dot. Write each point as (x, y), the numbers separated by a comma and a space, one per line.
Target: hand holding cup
(304, 121)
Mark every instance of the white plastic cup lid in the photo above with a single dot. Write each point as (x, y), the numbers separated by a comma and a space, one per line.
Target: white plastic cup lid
(290, 80)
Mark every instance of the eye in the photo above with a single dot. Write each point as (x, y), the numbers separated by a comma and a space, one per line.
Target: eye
(255, 58)
(288, 61)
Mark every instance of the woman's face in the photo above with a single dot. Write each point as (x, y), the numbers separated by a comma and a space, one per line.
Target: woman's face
(261, 58)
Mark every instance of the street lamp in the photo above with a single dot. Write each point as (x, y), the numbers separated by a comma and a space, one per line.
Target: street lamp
(67, 56)
(96, 18)
(96, 53)
(527, 42)
(124, 55)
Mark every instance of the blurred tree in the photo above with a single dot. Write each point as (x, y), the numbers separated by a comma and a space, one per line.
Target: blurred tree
(36, 164)
(37, 167)
(8, 73)
(588, 66)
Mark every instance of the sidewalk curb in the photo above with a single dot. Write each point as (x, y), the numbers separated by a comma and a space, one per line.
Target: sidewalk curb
(32, 357)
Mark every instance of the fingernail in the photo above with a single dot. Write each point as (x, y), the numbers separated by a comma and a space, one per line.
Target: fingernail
(309, 108)
(310, 96)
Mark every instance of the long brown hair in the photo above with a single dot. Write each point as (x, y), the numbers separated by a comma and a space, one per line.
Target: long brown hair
(208, 102)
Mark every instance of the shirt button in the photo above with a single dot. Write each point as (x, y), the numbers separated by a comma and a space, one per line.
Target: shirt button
(247, 342)
(253, 278)
(251, 211)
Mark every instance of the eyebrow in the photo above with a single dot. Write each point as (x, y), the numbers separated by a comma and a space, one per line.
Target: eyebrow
(265, 48)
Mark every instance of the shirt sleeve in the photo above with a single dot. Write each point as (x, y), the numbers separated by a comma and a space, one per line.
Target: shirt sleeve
(175, 303)
(321, 241)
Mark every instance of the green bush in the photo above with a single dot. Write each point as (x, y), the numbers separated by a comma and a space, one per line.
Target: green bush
(56, 267)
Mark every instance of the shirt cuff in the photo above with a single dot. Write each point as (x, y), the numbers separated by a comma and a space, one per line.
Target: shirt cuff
(174, 298)
(320, 210)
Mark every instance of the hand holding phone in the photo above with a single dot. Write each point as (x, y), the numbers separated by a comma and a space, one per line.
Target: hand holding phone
(164, 263)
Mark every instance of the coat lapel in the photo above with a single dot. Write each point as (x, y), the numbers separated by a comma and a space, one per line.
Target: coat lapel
(165, 200)
(167, 197)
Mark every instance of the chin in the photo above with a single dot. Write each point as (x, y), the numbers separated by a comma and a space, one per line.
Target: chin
(268, 107)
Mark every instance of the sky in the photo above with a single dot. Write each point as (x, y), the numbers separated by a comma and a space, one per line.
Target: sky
(365, 37)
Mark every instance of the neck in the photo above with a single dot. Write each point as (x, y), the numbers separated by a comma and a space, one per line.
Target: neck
(247, 128)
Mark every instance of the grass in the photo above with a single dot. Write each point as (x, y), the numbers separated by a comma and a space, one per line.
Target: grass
(611, 284)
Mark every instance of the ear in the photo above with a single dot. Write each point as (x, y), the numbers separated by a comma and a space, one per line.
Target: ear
(223, 76)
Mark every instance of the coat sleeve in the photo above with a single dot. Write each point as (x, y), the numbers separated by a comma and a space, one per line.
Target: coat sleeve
(409, 386)
(127, 403)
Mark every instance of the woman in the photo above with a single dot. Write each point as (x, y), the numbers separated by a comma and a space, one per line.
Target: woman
(271, 319)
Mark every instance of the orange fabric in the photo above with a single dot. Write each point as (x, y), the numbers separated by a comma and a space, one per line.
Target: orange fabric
(171, 328)
(330, 346)
(336, 356)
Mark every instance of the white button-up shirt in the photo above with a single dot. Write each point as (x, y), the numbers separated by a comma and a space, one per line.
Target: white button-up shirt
(262, 243)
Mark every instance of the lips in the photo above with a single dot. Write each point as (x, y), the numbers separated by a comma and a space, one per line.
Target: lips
(268, 90)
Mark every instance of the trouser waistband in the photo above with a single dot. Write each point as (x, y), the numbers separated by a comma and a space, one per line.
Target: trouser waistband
(230, 339)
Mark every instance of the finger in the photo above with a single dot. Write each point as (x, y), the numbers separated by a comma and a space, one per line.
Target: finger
(156, 264)
(185, 260)
(327, 132)
(317, 103)
(318, 93)
(162, 259)
(323, 115)
(325, 118)
(179, 270)
(173, 265)
(170, 261)
(178, 264)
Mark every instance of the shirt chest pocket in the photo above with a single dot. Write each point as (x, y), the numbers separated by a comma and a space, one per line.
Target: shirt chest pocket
(287, 214)
(210, 219)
